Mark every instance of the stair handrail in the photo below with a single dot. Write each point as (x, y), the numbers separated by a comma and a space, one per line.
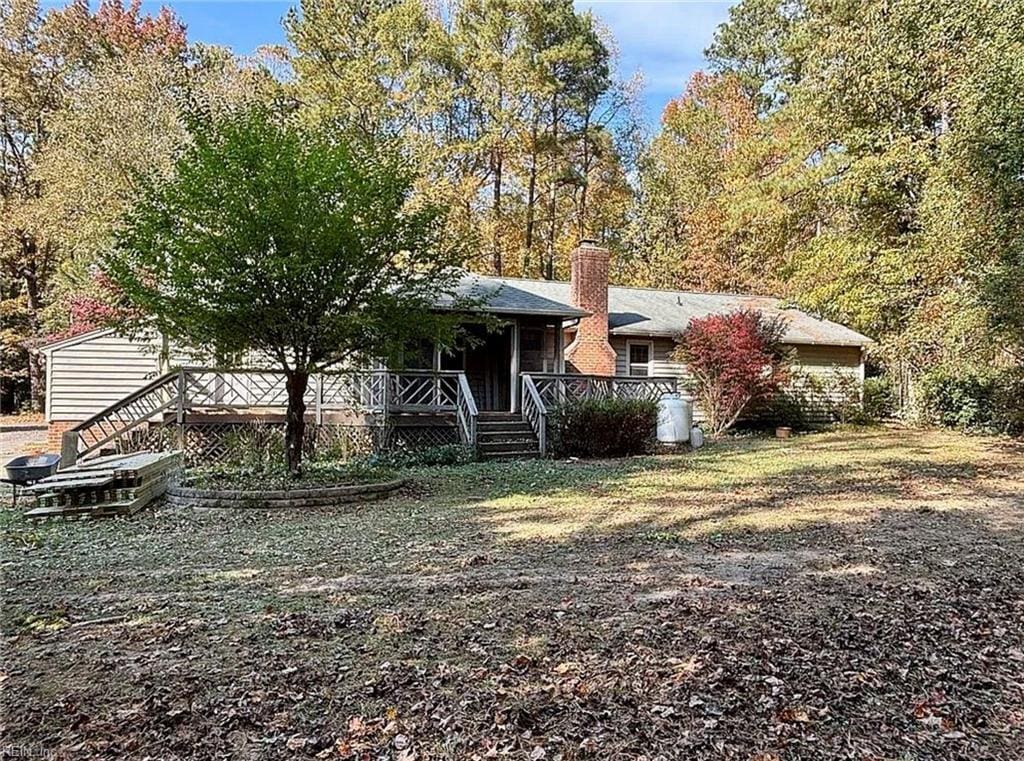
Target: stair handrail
(109, 425)
(535, 412)
(466, 412)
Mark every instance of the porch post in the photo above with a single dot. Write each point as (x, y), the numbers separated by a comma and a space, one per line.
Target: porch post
(514, 391)
(559, 348)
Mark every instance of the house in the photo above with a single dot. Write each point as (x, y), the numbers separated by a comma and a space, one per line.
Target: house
(555, 340)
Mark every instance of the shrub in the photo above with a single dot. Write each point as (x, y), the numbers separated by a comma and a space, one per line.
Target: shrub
(255, 448)
(879, 398)
(787, 408)
(735, 361)
(1010, 401)
(810, 398)
(842, 392)
(442, 454)
(964, 399)
(602, 427)
(973, 399)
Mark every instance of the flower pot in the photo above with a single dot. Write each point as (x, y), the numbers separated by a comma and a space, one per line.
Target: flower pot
(783, 432)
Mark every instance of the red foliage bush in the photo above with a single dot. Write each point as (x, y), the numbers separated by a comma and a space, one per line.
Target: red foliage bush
(734, 360)
(95, 306)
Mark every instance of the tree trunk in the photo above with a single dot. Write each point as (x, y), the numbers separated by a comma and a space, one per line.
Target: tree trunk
(549, 265)
(496, 259)
(531, 201)
(581, 220)
(295, 421)
(34, 301)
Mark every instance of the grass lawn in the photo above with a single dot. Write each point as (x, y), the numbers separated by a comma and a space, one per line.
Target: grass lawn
(842, 595)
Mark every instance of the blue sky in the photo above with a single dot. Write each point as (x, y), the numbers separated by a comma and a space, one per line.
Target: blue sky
(665, 39)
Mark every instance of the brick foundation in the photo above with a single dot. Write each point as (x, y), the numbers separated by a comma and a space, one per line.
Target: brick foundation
(54, 431)
(590, 352)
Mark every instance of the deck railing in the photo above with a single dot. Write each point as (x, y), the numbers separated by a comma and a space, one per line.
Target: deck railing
(171, 397)
(560, 388)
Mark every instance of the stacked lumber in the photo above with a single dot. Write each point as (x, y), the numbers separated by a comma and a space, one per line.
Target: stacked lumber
(104, 486)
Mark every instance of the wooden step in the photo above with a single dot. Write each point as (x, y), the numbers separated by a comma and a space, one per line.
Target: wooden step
(521, 430)
(525, 441)
(497, 447)
(500, 425)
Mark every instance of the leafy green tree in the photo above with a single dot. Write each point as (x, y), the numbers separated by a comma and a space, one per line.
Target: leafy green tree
(289, 243)
(487, 41)
(570, 80)
(758, 46)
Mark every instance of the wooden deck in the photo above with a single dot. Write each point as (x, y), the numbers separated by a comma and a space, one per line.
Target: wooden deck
(211, 397)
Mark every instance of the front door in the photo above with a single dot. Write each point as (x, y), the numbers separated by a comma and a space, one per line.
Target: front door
(488, 366)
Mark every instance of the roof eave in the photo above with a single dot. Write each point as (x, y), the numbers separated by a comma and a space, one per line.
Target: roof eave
(627, 331)
(72, 340)
(568, 313)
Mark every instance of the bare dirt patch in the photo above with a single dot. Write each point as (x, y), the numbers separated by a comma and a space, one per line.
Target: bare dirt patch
(847, 595)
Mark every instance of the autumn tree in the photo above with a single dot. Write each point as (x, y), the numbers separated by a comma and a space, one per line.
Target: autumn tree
(862, 159)
(43, 61)
(706, 219)
(511, 107)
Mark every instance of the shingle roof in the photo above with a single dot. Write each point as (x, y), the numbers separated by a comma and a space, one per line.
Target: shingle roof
(512, 296)
(650, 311)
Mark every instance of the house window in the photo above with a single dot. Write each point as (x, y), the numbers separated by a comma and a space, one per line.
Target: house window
(641, 358)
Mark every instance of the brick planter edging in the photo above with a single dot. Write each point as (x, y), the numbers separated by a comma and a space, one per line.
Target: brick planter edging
(185, 496)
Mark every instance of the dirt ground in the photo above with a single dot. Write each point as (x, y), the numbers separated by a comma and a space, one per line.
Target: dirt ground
(26, 440)
(852, 594)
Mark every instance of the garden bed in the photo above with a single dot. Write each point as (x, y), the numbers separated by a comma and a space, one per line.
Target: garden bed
(319, 486)
(184, 496)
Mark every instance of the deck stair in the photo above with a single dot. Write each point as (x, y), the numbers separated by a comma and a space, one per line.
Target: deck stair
(104, 486)
(505, 436)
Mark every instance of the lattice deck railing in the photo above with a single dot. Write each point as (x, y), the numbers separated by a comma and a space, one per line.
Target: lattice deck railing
(555, 389)
(159, 412)
(168, 400)
(535, 412)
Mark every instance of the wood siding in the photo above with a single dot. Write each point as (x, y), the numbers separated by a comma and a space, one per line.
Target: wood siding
(86, 377)
(824, 363)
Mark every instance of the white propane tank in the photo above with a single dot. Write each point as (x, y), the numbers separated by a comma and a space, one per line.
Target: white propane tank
(696, 437)
(674, 417)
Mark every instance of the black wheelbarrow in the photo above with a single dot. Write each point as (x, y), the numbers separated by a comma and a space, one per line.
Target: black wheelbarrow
(27, 469)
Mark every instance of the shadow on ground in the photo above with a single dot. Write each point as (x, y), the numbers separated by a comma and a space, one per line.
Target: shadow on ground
(854, 595)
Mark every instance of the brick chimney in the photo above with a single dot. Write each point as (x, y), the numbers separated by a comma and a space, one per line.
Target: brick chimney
(590, 352)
